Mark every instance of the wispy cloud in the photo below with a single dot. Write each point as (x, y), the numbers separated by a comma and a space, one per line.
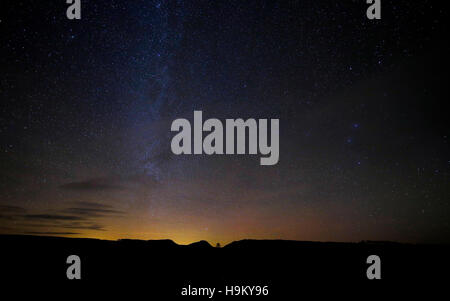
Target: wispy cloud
(92, 212)
(12, 209)
(52, 217)
(112, 183)
(83, 216)
(91, 204)
(49, 233)
(97, 184)
(85, 227)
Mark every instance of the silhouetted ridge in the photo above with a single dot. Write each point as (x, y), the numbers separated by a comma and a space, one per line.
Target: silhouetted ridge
(279, 243)
(158, 243)
(200, 244)
(166, 267)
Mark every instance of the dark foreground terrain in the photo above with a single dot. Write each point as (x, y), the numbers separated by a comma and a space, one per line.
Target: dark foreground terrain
(163, 268)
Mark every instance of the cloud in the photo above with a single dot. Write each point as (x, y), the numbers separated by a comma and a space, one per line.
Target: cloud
(12, 209)
(84, 225)
(83, 216)
(53, 217)
(9, 212)
(92, 212)
(112, 183)
(7, 217)
(87, 227)
(97, 184)
(91, 204)
(49, 233)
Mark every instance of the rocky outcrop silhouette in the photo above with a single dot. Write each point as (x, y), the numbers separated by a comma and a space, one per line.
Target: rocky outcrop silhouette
(166, 266)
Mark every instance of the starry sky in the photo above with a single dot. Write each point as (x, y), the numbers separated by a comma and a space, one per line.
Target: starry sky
(86, 109)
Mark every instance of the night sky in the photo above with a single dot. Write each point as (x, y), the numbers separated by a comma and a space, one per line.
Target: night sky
(86, 109)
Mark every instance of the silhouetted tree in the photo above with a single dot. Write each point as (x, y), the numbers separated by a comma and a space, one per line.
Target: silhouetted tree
(218, 245)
